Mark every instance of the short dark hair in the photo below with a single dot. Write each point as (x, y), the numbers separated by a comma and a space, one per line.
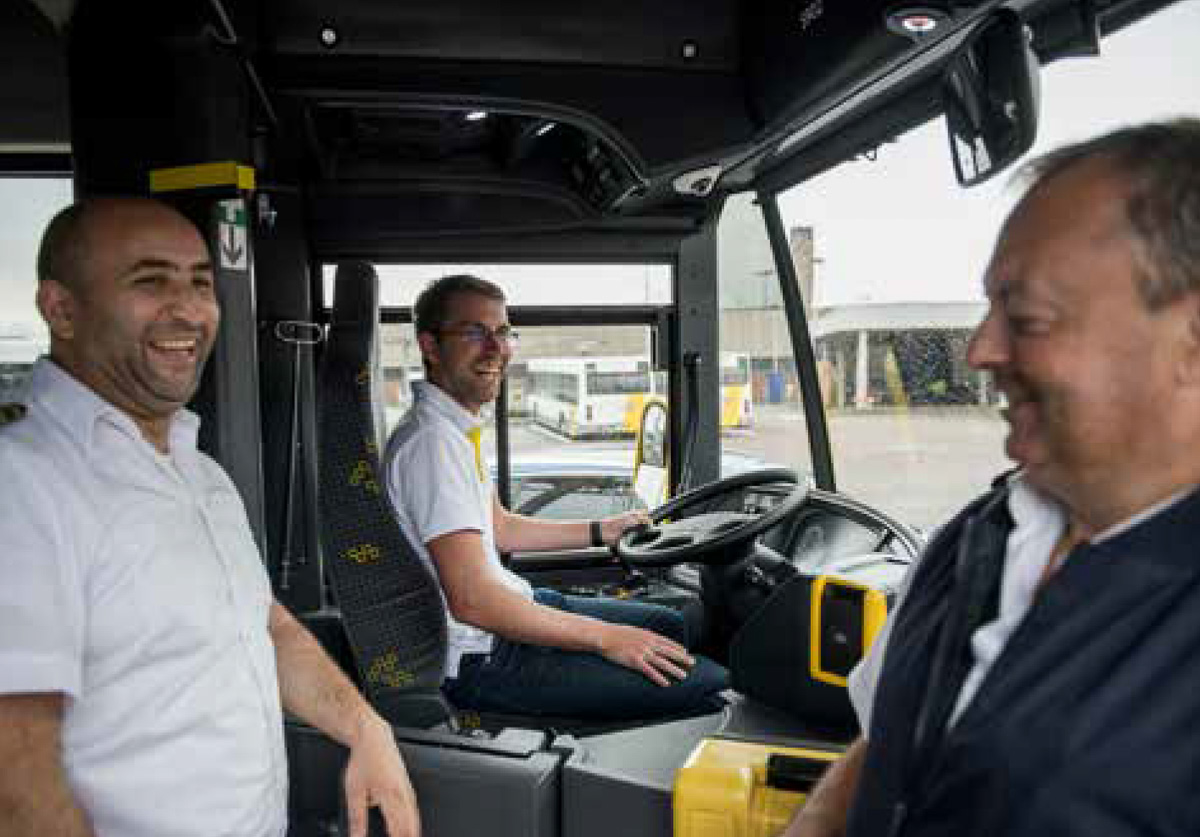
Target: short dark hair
(429, 311)
(63, 251)
(1159, 165)
(60, 253)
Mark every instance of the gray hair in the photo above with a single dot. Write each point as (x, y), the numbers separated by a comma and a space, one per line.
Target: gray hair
(1159, 164)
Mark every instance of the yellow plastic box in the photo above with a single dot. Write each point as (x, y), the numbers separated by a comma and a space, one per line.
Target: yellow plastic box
(723, 790)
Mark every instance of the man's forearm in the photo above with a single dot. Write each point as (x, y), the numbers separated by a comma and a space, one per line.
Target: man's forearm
(35, 797)
(500, 610)
(825, 812)
(517, 533)
(311, 685)
(42, 805)
(43, 817)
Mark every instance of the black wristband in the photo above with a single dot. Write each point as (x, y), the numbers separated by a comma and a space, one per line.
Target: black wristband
(597, 533)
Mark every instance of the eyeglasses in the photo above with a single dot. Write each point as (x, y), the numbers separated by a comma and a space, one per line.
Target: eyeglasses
(480, 334)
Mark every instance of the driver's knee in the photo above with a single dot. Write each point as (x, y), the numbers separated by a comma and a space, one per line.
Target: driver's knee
(707, 676)
(701, 689)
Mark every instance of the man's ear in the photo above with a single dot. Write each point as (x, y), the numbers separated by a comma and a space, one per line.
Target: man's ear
(428, 343)
(1189, 366)
(57, 304)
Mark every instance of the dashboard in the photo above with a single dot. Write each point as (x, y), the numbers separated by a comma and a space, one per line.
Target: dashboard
(827, 528)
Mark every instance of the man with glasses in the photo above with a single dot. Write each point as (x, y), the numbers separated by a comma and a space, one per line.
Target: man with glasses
(512, 648)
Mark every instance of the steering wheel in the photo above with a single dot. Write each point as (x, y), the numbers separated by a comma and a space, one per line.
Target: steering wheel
(713, 537)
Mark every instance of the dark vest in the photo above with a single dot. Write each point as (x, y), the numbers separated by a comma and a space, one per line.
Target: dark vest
(1088, 723)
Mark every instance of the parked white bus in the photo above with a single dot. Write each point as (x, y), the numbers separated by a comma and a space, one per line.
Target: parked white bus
(588, 397)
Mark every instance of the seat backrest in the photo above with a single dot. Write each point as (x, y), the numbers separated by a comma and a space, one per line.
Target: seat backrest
(391, 605)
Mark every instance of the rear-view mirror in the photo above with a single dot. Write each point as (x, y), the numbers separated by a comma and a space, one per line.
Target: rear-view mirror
(650, 458)
(990, 98)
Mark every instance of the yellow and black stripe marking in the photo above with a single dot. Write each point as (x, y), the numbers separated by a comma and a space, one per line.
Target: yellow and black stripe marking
(202, 176)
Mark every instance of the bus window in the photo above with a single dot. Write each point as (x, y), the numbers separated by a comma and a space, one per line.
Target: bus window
(584, 397)
(575, 392)
(762, 414)
(23, 335)
(896, 252)
(736, 407)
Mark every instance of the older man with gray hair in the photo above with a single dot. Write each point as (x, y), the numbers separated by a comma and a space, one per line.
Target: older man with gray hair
(1039, 675)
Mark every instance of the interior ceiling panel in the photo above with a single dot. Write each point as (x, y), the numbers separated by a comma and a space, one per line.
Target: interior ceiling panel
(797, 54)
(33, 85)
(660, 117)
(601, 32)
(641, 96)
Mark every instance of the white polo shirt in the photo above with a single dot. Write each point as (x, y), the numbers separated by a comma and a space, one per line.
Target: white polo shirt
(437, 488)
(131, 584)
(1038, 522)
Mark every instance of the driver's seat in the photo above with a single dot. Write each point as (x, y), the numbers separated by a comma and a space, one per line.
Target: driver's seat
(392, 611)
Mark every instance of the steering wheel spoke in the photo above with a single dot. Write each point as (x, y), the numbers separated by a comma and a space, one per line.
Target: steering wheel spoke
(713, 537)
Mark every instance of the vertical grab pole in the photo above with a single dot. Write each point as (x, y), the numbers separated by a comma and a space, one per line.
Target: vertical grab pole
(802, 347)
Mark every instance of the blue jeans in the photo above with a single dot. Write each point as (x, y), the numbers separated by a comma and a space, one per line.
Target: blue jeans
(536, 680)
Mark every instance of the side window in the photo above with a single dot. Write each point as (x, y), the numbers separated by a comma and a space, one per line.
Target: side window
(897, 253)
(762, 413)
(580, 497)
(27, 204)
(575, 392)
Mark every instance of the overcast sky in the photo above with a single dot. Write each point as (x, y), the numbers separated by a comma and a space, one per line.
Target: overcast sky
(896, 228)
(900, 228)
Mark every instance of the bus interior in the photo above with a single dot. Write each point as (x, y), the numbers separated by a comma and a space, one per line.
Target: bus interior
(594, 160)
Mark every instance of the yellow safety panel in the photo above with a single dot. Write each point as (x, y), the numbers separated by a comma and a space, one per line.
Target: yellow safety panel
(722, 791)
(874, 614)
(202, 176)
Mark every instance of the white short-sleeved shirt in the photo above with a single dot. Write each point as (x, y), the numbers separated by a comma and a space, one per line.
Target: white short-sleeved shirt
(132, 585)
(1038, 523)
(437, 488)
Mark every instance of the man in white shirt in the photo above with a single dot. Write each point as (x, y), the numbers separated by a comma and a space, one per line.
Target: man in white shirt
(513, 649)
(144, 663)
(1086, 658)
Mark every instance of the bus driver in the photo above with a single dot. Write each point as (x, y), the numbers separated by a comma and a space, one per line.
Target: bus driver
(512, 648)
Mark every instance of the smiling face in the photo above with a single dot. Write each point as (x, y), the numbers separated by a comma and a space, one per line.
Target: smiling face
(1092, 375)
(137, 317)
(468, 370)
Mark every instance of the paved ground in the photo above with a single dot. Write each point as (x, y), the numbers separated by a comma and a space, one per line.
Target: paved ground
(918, 467)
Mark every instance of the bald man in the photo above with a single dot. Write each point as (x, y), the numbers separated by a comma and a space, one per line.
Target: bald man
(144, 663)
